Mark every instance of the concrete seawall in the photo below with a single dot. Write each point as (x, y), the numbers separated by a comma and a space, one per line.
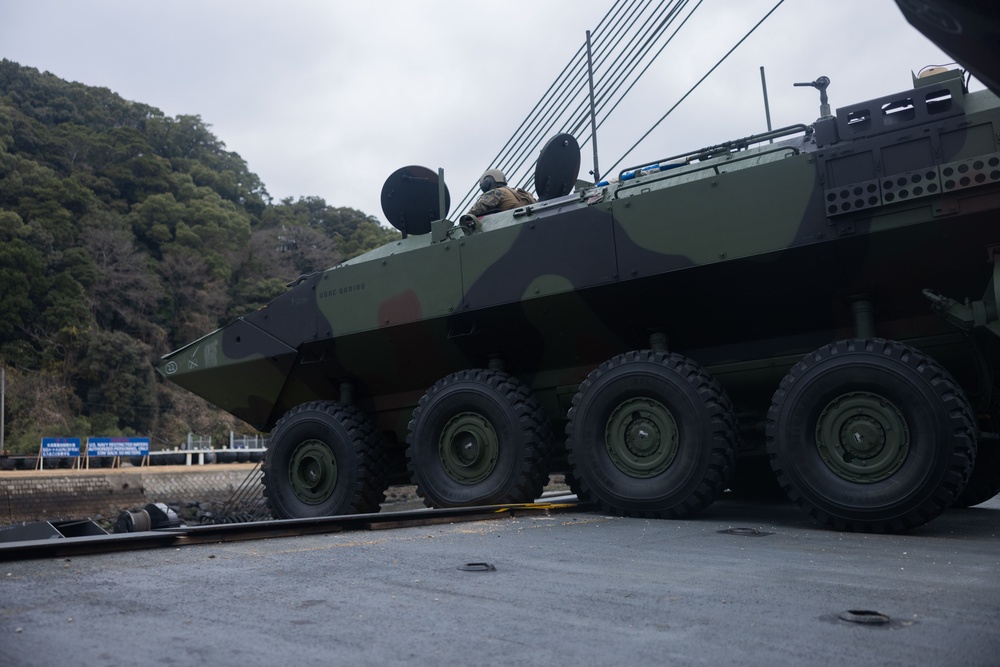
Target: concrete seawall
(51, 495)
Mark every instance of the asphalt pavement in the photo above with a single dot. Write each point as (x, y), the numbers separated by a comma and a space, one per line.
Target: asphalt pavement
(741, 584)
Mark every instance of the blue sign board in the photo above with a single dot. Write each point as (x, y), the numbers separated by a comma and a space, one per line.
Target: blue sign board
(60, 447)
(117, 446)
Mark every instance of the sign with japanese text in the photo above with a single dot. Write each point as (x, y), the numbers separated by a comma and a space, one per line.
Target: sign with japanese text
(53, 447)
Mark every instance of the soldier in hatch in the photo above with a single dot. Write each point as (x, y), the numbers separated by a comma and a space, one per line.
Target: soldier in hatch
(497, 196)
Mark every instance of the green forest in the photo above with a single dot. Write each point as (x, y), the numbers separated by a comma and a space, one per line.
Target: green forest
(125, 234)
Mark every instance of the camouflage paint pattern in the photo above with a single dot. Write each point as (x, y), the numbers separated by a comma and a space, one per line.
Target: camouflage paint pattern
(745, 261)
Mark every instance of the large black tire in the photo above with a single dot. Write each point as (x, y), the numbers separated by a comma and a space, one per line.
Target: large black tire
(984, 482)
(323, 459)
(871, 436)
(479, 437)
(651, 434)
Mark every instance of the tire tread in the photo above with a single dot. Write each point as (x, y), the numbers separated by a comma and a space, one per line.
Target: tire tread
(724, 435)
(532, 419)
(962, 428)
(370, 469)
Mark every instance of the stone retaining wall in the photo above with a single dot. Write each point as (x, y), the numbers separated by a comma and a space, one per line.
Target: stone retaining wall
(51, 495)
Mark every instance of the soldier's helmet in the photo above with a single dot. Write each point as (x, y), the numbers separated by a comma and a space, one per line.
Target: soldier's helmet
(490, 179)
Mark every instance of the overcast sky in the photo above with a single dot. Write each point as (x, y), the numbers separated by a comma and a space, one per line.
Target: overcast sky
(328, 97)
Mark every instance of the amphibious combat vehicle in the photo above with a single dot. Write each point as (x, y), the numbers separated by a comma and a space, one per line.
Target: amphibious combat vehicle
(823, 297)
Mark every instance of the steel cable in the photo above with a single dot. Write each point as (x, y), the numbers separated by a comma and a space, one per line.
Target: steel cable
(698, 83)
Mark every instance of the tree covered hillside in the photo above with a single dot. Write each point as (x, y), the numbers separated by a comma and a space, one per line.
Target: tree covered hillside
(124, 234)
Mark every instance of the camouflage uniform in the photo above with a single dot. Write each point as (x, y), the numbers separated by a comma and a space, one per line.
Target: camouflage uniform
(501, 198)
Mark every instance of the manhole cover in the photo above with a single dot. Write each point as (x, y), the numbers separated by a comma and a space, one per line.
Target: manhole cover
(478, 567)
(863, 616)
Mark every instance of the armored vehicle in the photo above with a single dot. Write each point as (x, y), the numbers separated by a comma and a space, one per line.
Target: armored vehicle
(822, 297)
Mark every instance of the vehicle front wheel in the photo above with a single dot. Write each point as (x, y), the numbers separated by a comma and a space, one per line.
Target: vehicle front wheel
(323, 459)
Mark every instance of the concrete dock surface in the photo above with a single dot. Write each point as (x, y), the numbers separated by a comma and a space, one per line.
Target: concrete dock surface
(740, 584)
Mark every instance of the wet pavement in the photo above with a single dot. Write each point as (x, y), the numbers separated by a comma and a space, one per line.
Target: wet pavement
(747, 584)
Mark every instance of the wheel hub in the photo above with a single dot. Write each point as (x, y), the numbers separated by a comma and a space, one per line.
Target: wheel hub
(312, 472)
(641, 437)
(468, 448)
(862, 437)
